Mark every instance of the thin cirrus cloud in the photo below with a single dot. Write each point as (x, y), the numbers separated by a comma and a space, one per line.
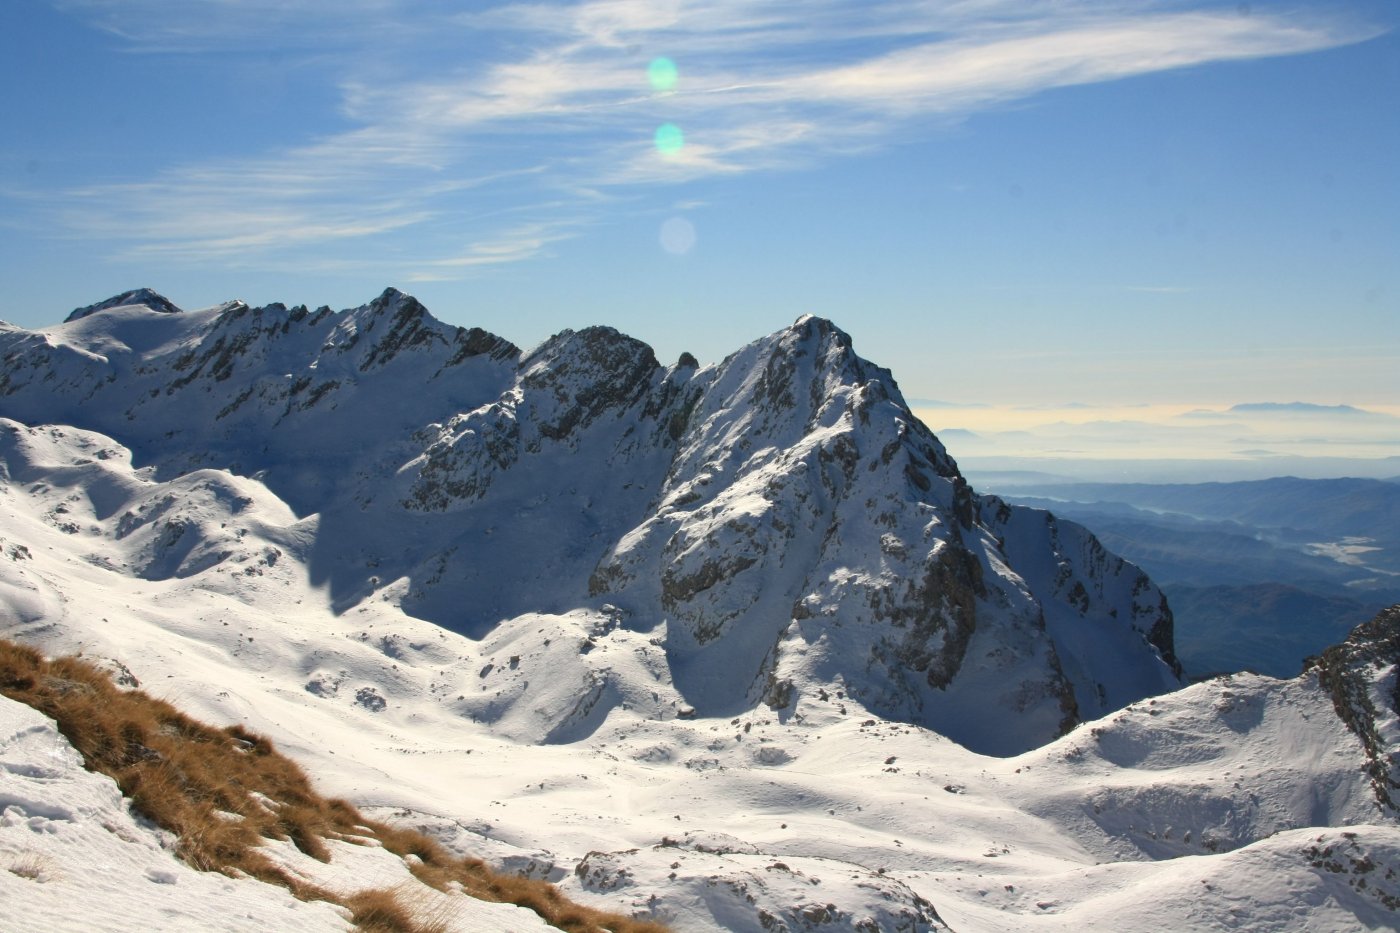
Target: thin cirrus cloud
(512, 245)
(218, 25)
(561, 88)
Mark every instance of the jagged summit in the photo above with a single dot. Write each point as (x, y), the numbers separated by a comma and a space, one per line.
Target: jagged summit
(820, 324)
(776, 529)
(144, 297)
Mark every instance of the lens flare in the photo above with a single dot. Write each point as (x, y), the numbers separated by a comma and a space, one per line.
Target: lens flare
(662, 74)
(669, 139)
(677, 236)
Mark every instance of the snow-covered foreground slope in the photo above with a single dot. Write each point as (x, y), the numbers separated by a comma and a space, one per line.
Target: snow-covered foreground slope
(74, 858)
(540, 641)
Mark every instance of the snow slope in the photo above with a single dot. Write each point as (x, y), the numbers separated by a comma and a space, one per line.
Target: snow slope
(723, 646)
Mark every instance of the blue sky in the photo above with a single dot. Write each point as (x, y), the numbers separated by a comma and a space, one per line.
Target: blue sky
(1084, 200)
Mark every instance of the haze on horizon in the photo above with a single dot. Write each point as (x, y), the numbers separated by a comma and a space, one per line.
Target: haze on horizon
(996, 444)
(1117, 203)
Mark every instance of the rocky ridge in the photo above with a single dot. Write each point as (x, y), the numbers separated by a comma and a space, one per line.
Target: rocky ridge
(1362, 674)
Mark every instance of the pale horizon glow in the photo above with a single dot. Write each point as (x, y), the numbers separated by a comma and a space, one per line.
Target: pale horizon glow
(987, 417)
(1180, 443)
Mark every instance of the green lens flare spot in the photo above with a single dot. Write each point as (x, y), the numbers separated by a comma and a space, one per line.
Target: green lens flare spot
(669, 139)
(662, 74)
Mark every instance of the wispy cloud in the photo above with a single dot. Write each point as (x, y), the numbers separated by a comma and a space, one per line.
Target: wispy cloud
(512, 245)
(219, 25)
(561, 89)
(959, 74)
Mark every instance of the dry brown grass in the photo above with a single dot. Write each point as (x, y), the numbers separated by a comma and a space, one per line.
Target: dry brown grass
(388, 910)
(436, 867)
(30, 866)
(223, 791)
(204, 784)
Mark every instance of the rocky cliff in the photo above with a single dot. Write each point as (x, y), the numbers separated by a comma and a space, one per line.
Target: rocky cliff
(1362, 674)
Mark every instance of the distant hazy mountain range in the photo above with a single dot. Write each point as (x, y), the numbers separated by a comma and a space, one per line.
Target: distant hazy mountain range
(1306, 408)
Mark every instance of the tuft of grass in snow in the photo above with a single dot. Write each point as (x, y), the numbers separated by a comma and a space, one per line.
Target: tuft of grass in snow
(384, 910)
(223, 791)
(30, 866)
(433, 865)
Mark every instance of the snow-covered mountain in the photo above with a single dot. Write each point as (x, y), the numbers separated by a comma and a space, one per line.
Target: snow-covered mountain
(774, 526)
(724, 645)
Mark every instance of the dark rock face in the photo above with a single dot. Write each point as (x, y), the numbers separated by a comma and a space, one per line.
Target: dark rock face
(579, 376)
(939, 612)
(1361, 676)
(780, 521)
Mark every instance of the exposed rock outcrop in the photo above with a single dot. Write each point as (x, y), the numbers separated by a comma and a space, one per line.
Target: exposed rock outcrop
(1363, 676)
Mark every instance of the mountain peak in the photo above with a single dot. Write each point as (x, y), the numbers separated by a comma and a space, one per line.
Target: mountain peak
(144, 297)
(809, 325)
(390, 297)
